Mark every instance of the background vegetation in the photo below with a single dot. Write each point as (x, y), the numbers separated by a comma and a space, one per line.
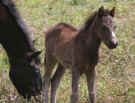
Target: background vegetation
(115, 80)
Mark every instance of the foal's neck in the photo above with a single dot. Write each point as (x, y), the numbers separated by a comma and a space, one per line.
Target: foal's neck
(90, 38)
(88, 34)
(92, 41)
(93, 44)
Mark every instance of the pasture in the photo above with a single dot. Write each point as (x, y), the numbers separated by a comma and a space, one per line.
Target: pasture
(115, 79)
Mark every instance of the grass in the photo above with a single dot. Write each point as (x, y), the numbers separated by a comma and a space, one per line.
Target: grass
(115, 80)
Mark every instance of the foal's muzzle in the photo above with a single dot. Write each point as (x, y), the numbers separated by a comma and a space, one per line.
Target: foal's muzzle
(112, 43)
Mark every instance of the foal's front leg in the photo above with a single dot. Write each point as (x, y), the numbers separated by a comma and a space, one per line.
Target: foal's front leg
(90, 74)
(75, 81)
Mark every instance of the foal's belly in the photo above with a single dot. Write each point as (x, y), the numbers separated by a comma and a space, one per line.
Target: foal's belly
(66, 63)
(65, 59)
(64, 55)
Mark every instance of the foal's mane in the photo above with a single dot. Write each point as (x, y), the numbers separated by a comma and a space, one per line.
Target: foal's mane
(15, 16)
(89, 21)
(88, 24)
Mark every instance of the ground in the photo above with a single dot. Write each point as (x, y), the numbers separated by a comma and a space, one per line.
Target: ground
(115, 79)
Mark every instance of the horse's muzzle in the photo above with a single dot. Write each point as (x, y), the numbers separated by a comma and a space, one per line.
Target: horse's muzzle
(27, 81)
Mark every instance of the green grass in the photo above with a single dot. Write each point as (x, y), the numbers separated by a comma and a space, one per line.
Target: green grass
(115, 80)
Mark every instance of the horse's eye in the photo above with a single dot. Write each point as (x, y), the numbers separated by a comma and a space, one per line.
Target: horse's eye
(38, 61)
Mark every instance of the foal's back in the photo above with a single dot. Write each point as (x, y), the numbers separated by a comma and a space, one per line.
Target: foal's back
(59, 43)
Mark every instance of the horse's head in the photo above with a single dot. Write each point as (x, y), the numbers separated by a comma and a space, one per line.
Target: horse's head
(3, 13)
(106, 27)
(33, 59)
(24, 59)
(25, 75)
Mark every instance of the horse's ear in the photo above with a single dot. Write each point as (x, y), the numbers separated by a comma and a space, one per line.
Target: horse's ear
(101, 11)
(113, 11)
(35, 54)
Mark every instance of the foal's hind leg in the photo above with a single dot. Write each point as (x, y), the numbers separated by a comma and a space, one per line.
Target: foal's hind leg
(90, 74)
(56, 81)
(49, 65)
(75, 81)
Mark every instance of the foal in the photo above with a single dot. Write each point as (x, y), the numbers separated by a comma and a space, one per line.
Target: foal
(77, 50)
(24, 59)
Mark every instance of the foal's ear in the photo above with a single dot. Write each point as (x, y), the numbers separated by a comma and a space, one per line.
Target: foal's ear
(34, 41)
(113, 12)
(101, 11)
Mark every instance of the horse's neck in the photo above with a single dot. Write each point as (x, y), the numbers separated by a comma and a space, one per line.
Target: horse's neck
(15, 37)
(16, 46)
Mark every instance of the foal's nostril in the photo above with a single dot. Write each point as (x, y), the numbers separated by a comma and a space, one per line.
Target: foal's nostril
(114, 42)
(114, 45)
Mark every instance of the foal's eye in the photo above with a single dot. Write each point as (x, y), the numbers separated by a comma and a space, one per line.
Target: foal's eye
(105, 27)
(114, 27)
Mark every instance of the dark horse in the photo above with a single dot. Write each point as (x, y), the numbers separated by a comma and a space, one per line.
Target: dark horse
(77, 50)
(23, 57)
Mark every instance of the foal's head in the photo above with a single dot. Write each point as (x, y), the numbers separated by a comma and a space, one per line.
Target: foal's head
(106, 26)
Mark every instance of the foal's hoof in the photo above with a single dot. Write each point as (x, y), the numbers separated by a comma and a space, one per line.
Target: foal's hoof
(28, 82)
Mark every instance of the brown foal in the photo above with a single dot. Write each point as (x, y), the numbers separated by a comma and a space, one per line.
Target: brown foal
(77, 50)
